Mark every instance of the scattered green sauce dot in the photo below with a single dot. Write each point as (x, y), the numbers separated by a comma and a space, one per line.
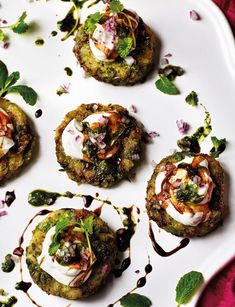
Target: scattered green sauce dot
(39, 42)
(68, 71)
(53, 33)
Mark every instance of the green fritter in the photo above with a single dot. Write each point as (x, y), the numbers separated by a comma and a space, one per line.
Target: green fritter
(193, 188)
(125, 44)
(80, 241)
(110, 144)
(16, 139)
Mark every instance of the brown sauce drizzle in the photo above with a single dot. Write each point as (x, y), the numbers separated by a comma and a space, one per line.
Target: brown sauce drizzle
(159, 250)
(18, 251)
(141, 282)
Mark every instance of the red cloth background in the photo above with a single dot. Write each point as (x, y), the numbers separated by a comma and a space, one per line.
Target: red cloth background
(228, 7)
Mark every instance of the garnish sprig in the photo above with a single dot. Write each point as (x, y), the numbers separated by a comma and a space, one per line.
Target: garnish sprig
(19, 27)
(7, 85)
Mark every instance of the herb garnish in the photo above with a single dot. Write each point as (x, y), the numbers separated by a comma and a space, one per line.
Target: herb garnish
(91, 21)
(8, 264)
(135, 300)
(85, 226)
(166, 86)
(192, 99)
(166, 77)
(7, 86)
(125, 46)
(191, 143)
(116, 6)
(187, 287)
(20, 26)
(219, 146)
(188, 193)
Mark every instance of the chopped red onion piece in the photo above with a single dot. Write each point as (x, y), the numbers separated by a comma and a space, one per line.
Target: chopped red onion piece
(18, 251)
(77, 138)
(182, 126)
(5, 45)
(164, 62)
(110, 25)
(2, 213)
(71, 132)
(133, 109)
(194, 15)
(10, 197)
(153, 134)
(168, 55)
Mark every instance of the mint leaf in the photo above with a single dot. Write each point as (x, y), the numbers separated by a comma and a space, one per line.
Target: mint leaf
(20, 26)
(125, 47)
(3, 75)
(187, 286)
(28, 94)
(12, 79)
(192, 99)
(164, 85)
(116, 6)
(91, 22)
(135, 300)
(219, 146)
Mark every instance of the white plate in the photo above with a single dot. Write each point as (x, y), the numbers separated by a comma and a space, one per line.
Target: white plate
(205, 49)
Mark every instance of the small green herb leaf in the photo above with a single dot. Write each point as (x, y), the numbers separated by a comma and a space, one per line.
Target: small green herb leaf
(28, 94)
(135, 300)
(54, 246)
(87, 225)
(125, 47)
(219, 146)
(187, 286)
(192, 99)
(92, 21)
(3, 75)
(164, 85)
(12, 79)
(20, 26)
(116, 6)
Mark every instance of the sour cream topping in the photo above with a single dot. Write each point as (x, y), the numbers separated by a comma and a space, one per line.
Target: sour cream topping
(62, 273)
(203, 188)
(73, 138)
(186, 218)
(6, 131)
(104, 38)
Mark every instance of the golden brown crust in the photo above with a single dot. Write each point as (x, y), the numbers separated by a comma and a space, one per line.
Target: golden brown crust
(104, 173)
(118, 72)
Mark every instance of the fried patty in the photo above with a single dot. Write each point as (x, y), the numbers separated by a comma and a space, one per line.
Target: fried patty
(103, 173)
(216, 205)
(21, 152)
(103, 244)
(118, 72)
